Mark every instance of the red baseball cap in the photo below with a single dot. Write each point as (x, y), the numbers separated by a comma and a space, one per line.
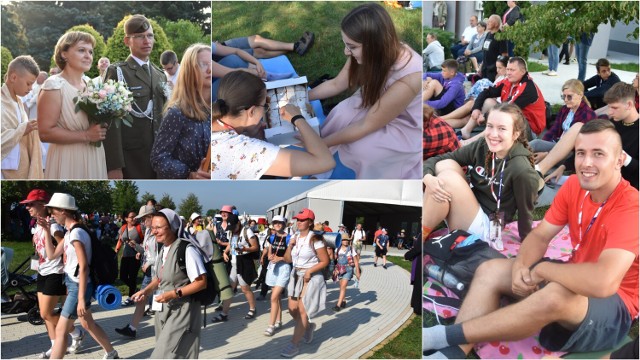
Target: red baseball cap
(36, 195)
(305, 214)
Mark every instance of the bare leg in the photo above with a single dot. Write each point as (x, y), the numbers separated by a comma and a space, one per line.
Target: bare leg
(138, 313)
(462, 208)
(46, 303)
(475, 138)
(343, 291)
(431, 89)
(474, 62)
(561, 150)
(519, 320)
(266, 48)
(249, 295)
(462, 111)
(458, 123)
(299, 314)
(467, 129)
(96, 331)
(276, 310)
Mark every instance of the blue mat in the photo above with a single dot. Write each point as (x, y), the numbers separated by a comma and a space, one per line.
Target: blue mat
(281, 64)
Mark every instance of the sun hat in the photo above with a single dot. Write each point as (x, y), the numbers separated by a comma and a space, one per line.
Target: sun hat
(318, 229)
(36, 195)
(279, 218)
(227, 208)
(194, 216)
(145, 210)
(305, 214)
(62, 201)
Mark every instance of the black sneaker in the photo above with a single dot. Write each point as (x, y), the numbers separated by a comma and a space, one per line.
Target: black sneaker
(375, 265)
(384, 266)
(336, 308)
(344, 304)
(126, 331)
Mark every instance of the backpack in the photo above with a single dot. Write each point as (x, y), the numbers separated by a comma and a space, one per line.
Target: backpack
(138, 228)
(207, 295)
(103, 269)
(255, 255)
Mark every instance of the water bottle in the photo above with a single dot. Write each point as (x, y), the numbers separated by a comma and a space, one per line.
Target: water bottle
(450, 281)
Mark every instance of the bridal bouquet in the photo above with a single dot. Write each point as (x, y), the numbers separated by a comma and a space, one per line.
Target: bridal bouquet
(105, 103)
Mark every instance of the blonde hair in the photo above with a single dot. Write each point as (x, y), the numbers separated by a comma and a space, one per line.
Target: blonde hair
(68, 40)
(577, 87)
(187, 92)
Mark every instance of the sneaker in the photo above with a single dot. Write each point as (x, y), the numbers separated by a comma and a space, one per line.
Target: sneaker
(546, 72)
(111, 355)
(45, 354)
(270, 330)
(552, 73)
(308, 334)
(126, 331)
(375, 265)
(336, 308)
(290, 351)
(149, 312)
(384, 266)
(344, 304)
(127, 302)
(76, 343)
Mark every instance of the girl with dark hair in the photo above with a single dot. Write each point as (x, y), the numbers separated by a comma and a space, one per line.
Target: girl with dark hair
(242, 103)
(503, 181)
(376, 131)
(77, 250)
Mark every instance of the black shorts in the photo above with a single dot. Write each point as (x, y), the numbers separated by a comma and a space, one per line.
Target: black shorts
(447, 109)
(607, 322)
(381, 252)
(52, 285)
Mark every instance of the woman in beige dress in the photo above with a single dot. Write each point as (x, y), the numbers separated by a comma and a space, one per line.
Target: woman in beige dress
(71, 154)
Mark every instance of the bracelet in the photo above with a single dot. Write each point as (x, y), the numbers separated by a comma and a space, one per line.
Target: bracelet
(295, 118)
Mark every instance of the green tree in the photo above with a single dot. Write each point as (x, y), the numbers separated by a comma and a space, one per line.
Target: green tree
(212, 212)
(167, 202)
(553, 21)
(184, 33)
(91, 195)
(6, 59)
(190, 205)
(125, 196)
(117, 51)
(146, 197)
(13, 35)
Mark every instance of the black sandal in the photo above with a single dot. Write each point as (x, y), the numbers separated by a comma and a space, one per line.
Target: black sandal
(250, 315)
(305, 43)
(220, 318)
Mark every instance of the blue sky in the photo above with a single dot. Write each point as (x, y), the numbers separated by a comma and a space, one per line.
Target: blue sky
(254, 197)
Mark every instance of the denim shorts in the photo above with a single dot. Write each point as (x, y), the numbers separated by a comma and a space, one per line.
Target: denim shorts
(239, 43)
(278, 274)
(348, 275)
(607, 322)
(70, 307)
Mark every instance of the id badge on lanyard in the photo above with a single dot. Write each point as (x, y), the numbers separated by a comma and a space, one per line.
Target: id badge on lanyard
(496, 220)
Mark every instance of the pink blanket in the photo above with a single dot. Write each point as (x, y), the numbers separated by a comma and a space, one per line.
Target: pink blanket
(559, 248)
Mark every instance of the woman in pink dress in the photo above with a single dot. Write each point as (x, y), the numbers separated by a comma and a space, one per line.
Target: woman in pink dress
(377, 130)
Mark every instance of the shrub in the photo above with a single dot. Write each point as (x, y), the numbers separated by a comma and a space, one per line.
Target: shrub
(98, 50)
(6, 59)
(446, 39)
(184, 33)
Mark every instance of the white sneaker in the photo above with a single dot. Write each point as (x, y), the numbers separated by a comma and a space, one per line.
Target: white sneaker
(111, 355)
(546, 72)
(552, 73)
(76, 343)
(45, 354)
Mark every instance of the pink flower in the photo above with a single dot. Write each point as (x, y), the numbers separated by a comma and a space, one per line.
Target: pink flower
(102, 93)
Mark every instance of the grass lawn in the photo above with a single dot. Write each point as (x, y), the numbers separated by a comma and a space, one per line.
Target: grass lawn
(287, 20)
(633, 67)
(407, 341)
(533, 66)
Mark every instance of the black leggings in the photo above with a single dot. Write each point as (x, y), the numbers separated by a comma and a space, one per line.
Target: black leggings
(129, 267)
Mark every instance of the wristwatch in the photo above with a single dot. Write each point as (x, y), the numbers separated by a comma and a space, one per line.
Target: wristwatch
(179, 292)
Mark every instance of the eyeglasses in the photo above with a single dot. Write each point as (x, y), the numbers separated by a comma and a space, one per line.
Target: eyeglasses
(204, 66)
(156, 228)
(566, 97)
(352, 48)
(149, 37)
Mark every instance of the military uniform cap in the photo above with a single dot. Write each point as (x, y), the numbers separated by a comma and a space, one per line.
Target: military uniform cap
(136, 24)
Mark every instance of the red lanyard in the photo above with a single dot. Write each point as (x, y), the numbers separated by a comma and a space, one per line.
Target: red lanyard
(228, 127)
(593, 220)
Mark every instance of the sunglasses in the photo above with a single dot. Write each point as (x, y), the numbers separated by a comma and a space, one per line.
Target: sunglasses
(566, 97)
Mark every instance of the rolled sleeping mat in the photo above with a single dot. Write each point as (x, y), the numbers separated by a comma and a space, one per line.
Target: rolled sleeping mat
(333, 239)
(108, 297)
(221, 277)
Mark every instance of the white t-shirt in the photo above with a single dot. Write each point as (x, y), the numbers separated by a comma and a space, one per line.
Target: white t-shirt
(340, 251)
(240, 241)
(46, 266)
(72, 259)
(193, 261)
(358, 235)
(302, 254)
(235, 156)
(469, 32)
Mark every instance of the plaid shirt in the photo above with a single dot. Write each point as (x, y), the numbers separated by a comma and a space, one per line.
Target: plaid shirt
(438, 138)
(582, 114)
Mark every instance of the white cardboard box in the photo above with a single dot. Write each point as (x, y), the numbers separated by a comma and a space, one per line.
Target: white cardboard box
(280, 93)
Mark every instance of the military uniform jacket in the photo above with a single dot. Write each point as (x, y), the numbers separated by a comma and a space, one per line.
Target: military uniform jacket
(126, 147)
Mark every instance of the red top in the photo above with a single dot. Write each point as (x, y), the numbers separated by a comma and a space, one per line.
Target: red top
(616, 227)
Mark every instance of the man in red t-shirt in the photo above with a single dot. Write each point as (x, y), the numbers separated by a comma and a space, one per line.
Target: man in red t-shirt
(584, 305)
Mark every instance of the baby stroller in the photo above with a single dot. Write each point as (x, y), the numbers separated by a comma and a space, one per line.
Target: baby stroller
(23, 300)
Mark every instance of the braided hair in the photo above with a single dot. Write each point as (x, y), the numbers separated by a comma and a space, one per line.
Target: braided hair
(519, 125)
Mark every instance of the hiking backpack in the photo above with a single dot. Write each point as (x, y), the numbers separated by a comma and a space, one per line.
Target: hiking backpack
(103, 269)
(207, 295)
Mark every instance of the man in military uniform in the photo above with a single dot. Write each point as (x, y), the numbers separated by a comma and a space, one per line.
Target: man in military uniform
(128, 149)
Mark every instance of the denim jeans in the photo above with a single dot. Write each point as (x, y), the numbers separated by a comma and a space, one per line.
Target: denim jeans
(552, 53)
(581, 55)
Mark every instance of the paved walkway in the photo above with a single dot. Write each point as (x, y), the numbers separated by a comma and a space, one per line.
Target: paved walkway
(375, 311)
